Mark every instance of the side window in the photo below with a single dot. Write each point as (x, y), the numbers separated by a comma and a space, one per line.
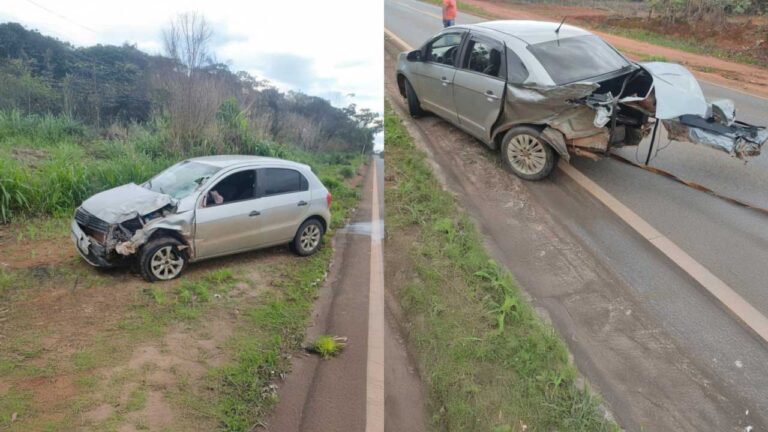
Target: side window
(235, 187)
(282, 180)
(516, 70)
(444, 49)
(484, 57)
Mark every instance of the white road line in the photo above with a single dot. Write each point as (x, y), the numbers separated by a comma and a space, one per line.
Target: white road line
(374, 410)
(397, 40)
(719, 289)
(716, 287)
(421, 11)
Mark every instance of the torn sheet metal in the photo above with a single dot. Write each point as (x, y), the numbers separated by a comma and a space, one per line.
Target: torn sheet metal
(723, 111)
(125, 202)
(556, 106)
(677, 91)
(738, 139)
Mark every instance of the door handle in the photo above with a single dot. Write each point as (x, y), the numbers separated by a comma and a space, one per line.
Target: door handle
(445, 81)
(491, 97)
(302, 203)
(254, 213)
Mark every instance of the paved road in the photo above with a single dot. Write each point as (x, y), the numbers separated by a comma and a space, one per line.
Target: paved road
(731, 242)
(346, 393)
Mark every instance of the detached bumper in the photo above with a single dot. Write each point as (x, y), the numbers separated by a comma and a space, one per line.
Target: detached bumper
(92, 252)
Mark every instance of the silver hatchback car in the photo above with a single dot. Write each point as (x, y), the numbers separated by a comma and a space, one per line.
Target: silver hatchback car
(541, 90)
(203, 208)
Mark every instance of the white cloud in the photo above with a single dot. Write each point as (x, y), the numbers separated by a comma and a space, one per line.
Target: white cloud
(327, 48)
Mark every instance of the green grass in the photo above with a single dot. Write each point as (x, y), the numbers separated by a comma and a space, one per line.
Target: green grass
(489, 362)
(276, 326)
(63, 163)
(464, 7)
(136, 400)
(327, 346)
(50, 164)
(669, 41)
(270, 330)
(13, 401)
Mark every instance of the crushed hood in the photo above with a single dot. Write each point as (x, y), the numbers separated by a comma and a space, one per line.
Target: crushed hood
(125, 202)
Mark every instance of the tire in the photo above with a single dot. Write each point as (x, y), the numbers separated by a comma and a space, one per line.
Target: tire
(633, 136)
(527, 154)
(155, 265)
(414, 107)
(308, 238)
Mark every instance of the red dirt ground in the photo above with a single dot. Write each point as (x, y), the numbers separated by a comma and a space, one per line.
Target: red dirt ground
(747, 78)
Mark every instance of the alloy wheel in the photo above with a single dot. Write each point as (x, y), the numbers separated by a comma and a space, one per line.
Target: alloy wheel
(310, 237)
(166, 263)
(526, 153)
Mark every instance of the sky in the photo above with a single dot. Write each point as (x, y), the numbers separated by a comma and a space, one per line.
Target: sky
(333, 49)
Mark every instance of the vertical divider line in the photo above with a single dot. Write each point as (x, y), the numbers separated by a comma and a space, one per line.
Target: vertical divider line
(374, 410)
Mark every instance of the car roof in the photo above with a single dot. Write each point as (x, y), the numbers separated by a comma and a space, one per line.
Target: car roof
(530, 32)
(226, 161)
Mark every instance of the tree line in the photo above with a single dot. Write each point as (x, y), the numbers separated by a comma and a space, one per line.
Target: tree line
(197, 99)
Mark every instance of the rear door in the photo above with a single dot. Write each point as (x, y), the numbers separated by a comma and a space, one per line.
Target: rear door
(435, 81)
(479, 85)
(283, 203)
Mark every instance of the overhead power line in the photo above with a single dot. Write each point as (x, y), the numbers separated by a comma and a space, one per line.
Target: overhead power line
(54, 13)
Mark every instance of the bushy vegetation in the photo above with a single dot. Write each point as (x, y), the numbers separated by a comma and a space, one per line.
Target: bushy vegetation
(104, 85)
(488, 361)
(49, 164)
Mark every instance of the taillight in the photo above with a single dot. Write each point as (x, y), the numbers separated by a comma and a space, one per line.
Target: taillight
(328, 199)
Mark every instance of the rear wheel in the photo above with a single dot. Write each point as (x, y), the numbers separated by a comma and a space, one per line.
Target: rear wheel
(161, 259)
(308, 237)
(414, 107)
(527, 154)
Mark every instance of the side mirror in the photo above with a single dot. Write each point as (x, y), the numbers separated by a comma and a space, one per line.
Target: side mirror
(414, 56)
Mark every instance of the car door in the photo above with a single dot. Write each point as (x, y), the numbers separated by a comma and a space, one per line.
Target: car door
(436, 74)
(226, 215)
(479, 85)
(284, 199)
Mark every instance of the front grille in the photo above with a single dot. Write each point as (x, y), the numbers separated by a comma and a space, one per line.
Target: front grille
(88, 220)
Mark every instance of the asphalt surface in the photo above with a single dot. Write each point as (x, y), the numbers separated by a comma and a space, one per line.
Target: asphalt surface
(730, 241)
(331, 395)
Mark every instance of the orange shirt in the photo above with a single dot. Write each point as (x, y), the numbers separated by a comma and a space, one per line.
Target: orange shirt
(449, 9)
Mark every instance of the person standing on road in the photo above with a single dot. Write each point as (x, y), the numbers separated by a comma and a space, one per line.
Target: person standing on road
(449, 13)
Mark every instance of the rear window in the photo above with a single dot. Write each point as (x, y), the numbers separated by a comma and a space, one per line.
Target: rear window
(280, 181)
(577, 58)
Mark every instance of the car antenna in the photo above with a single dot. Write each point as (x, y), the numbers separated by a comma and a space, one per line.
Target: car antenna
(557, 31)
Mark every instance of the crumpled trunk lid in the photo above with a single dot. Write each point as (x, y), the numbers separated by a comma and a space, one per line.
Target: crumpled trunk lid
(688, 117)
(125, 202)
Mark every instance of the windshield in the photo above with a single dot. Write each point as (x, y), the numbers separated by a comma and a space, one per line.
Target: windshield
(181, 179)
(577, 58)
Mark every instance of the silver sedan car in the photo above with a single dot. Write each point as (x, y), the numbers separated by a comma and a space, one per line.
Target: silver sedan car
(203, 208)
(541, 90)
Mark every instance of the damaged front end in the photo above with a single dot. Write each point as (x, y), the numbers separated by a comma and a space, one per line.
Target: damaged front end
(588, 118)
(111, 226)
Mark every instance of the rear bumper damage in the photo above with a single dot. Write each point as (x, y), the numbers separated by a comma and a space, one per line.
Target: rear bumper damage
(590, 118)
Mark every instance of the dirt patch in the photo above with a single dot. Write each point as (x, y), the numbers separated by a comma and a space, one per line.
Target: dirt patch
(751, 79)
(73, 340)
(18, 252)
(743, 37)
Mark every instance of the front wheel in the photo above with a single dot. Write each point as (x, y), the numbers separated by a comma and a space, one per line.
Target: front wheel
(161, 259)
(307, 239)
(414, 106)
(527, 154)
